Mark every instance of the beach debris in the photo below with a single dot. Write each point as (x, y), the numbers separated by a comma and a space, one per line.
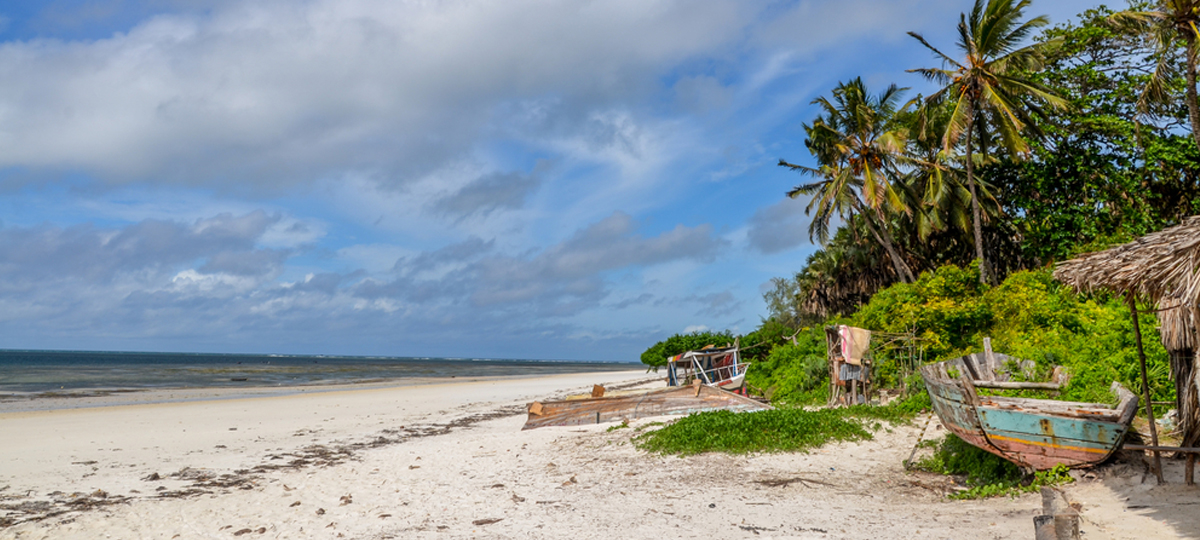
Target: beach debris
(517, 498)
(494, 486)
(91, 462)
(242, 531)
(152, 477)
(570, 481)
(384, 516)
(320, 511)
(487, 521)
(295, 504)
(346, 499)
(785, 482)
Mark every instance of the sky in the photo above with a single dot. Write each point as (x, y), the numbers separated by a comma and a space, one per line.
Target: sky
(544, 179)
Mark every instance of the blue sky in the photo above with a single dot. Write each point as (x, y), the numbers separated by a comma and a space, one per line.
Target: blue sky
(519, 179)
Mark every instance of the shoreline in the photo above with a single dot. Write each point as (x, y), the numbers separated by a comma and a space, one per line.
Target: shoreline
(16, 402)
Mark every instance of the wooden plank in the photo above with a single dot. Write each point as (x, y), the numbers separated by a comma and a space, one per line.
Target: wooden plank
(1160, 448)
(1017, 385)
(1049, 406)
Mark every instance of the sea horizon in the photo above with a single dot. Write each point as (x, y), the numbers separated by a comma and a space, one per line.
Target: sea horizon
(25, 371)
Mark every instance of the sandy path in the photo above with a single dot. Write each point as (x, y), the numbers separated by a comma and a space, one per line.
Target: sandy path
(484, 477)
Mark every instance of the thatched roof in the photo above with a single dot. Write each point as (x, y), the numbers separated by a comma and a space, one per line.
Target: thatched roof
(1161, 267)
(1155, 266)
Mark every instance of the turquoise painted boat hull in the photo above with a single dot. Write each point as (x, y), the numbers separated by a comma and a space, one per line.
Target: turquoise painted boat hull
(1035, 434)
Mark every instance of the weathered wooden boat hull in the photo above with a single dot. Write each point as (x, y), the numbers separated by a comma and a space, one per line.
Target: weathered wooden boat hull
(679, 400)
(735, 383)
(1033, 433)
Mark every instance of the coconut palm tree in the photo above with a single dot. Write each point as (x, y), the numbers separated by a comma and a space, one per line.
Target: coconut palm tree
(857, 151)
(935, 182)
(1171, 23)
(988, 86)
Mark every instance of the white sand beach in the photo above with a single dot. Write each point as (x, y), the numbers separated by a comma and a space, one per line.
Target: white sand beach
(449, 460)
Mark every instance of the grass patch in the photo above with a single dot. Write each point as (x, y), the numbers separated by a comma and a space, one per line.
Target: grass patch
(777, 430)
(987, 474)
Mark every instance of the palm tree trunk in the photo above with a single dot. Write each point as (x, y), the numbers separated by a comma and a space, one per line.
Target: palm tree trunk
(1192, 105)
(885, 239)
(976, 215)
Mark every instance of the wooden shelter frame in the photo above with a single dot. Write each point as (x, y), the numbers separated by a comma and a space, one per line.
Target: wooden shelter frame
(1162, 268)
(910, 360)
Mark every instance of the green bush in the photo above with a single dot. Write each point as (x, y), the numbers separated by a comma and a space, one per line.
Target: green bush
(794, 373)
(1029, 316)
(757, 345)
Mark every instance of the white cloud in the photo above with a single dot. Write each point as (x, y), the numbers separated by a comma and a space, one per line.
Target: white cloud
(287, 92)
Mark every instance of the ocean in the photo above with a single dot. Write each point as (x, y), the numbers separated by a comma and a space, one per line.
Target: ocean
(48, 371)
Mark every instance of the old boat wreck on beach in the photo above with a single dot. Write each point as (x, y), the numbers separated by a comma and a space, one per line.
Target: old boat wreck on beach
(679, 400)
(1035, 434)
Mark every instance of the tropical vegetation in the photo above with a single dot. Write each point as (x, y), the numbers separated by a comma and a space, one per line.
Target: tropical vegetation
(941, 217)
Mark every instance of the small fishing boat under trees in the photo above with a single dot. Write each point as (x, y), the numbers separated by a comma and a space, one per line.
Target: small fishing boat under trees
(1035, 434)
(716, 367)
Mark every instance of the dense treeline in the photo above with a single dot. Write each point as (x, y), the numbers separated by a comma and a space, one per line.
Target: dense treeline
(941, 214)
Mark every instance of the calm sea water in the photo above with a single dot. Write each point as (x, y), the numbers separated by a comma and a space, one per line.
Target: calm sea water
(41, 371)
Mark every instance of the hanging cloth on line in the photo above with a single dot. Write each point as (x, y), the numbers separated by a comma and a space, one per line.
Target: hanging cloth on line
(855, 343)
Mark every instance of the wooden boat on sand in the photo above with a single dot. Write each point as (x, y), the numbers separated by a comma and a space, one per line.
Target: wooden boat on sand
(678, 400)
(1035, 434)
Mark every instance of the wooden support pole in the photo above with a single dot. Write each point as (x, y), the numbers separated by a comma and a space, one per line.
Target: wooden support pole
(1043, 528)
(1137, 332)
(1059, 521)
